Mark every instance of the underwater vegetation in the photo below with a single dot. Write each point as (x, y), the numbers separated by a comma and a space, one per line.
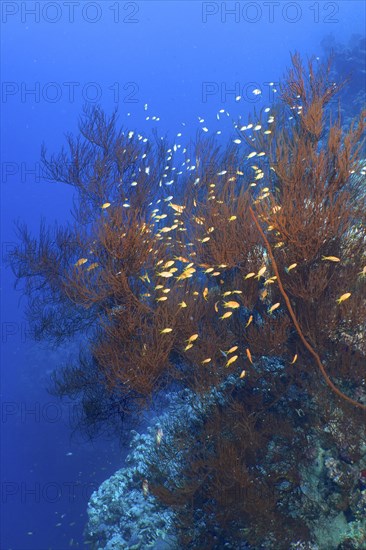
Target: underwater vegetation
(235, 278)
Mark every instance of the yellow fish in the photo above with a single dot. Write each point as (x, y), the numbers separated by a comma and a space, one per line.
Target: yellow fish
(81, 262)
(216, 307)
(231, 350)
(92, 266)
(288, 269)
(182, 304)
(270, 281)
(249, 321)
(232, 218)
(145, 278)
(166, 330)
(162, 299)
(294, 359)
(165, 274)
(249, 275)
(205, 239)
(275, 306)
(189, 346)
(205, 293)
(226, 315)
(192, 338)
(169, 264)
(209, 270)
(232, 304)
(263, 294)
(260, 272)
(206, 361)
(242, 374)
(186, 274)
(344, 297)
(176, 207)
(181, 259)
(106, 205)
(231, 360)
(331, 258)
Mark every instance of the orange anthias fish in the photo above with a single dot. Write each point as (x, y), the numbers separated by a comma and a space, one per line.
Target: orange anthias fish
(232, 304)
(249, 321)
(331, 258)
(166, 331)
(192, 338)
(80, 262)
(249, 355)
(226, 315)
(344, 297)
(231, 360)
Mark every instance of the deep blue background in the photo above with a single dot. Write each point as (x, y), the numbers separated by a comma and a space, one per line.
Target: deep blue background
(128, 53)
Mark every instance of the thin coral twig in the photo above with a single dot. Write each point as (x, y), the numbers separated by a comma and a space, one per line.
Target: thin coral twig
(295, 321)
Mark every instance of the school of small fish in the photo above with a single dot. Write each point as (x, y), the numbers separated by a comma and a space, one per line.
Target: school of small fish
(170, 218)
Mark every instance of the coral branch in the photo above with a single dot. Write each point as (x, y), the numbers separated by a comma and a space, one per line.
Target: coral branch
(295, 321)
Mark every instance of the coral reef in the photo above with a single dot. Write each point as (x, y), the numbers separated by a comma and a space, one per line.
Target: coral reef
(242, 292)
(329, 495)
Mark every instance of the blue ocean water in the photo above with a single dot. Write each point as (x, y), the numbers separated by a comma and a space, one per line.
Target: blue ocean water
(175, 60)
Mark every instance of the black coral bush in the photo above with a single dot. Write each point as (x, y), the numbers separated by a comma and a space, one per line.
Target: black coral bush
(186, 268)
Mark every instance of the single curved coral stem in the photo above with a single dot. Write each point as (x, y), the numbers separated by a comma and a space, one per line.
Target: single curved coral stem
(295, 321)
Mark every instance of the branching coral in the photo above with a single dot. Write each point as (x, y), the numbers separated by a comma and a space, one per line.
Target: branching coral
(186, 290)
